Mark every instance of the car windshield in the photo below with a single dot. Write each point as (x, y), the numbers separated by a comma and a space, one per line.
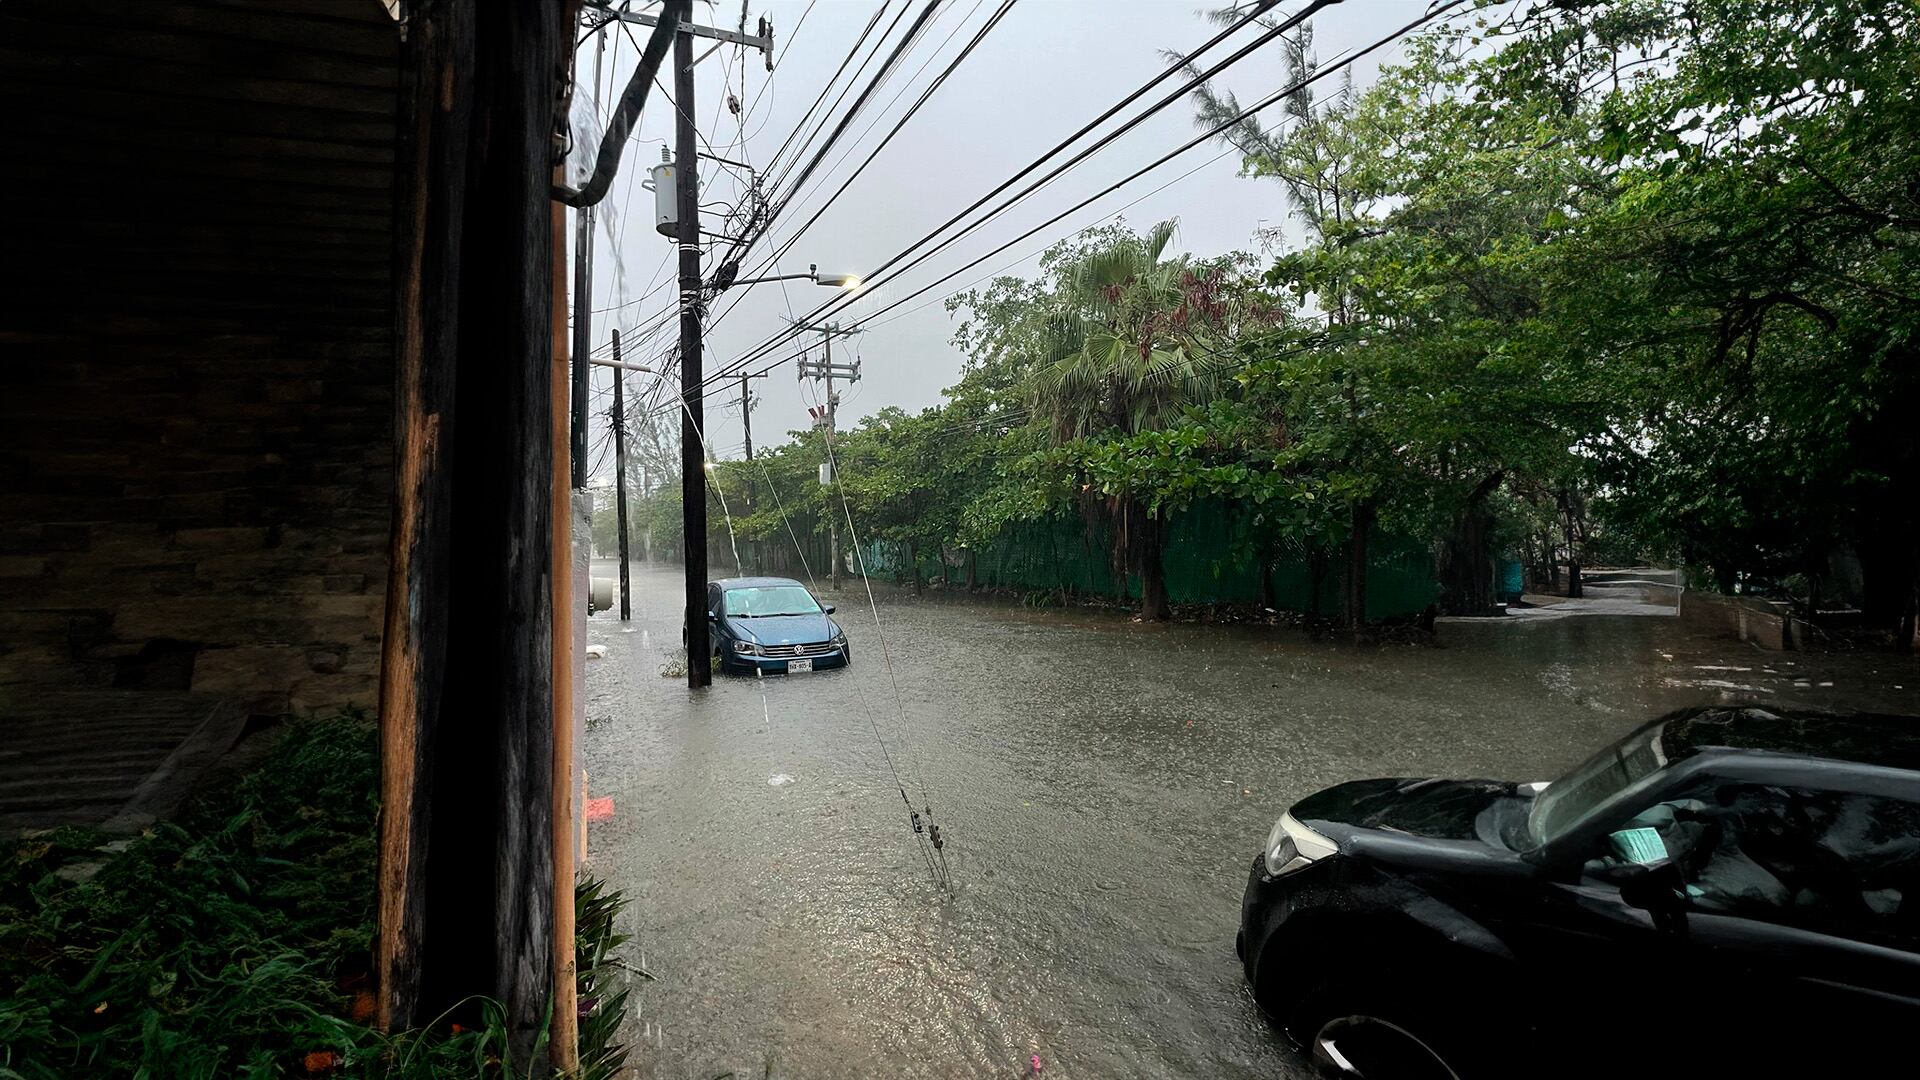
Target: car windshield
(771, 600)
(1567, 801)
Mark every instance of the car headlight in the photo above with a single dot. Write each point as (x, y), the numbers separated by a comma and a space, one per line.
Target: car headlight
(1292, 846)
(839, 637)
(746, 648)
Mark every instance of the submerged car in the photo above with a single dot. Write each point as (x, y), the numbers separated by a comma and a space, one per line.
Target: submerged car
(772, 625)
(1723, 892)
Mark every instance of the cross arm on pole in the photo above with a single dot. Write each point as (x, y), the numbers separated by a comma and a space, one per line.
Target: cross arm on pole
(763, 42)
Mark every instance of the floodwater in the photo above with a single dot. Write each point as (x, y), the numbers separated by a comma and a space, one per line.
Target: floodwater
(1102, 785)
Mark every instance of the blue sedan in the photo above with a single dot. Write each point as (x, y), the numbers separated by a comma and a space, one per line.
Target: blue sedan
(772, 625)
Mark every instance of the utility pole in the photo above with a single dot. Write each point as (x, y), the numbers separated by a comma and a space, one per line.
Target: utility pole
(583, 314)
(693, 474)
(619, 418)
(746, 407)
(826, 370)
(833, 522)
(684, 227)
(746, 414)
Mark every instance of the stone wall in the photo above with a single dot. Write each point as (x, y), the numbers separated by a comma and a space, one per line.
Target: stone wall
(196, 355)
(1765, 623)
(207, 515)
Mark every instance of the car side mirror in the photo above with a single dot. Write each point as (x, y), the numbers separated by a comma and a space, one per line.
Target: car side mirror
(711, 617)
(1653, 887)
(828, 609)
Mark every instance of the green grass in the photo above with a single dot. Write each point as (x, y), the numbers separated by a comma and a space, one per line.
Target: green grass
(235, 940)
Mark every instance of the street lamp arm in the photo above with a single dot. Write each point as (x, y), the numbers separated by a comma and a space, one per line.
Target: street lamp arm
(622, 365)
(723, 279)
(776, 277)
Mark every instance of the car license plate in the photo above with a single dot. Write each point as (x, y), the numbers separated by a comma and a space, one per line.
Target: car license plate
(796, 666)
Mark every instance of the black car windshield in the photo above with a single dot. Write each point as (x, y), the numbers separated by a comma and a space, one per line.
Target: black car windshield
(1568, 800)
(771, 600)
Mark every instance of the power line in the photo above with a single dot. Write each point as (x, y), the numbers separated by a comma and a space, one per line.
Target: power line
(1268, 102)
(826, 116)
(824, 90)
(939, 80)
(904, 88)
(778, 204)
(1109, 113)
(778, 57)
(1004, 267)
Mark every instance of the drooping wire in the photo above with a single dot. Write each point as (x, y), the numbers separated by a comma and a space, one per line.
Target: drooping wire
(834, 306)
(1088, 127)
(777, 203)
(774, 160)
(938, 81)
(943, 878)
(788, 522)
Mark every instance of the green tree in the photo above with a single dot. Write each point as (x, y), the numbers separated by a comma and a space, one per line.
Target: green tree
(1125, 340)
(1750, 281)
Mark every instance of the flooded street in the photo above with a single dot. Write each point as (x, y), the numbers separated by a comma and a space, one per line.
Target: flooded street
(1103, 786)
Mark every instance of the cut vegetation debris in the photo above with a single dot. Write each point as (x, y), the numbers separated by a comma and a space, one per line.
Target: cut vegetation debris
(235, 940)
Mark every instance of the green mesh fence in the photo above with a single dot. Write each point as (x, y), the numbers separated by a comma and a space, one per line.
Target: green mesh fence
(1213, 556)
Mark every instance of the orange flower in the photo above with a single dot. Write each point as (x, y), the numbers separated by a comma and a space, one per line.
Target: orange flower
(322, 1061)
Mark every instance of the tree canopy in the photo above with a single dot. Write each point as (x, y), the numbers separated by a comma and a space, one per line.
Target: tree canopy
(1634, 277)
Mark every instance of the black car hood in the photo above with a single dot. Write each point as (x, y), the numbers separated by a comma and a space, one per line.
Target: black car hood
(1443, 809)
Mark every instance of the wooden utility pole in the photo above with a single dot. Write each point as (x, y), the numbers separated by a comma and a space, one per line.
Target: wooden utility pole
(470, 884)
(693, 473)
(583, 314)
(826, 370)
(619, 418)
(746, 407)
(833, 523)
(686, 233)
(563, 1046)
(746, 414)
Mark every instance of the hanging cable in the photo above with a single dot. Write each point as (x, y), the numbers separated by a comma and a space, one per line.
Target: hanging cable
(1108, 114)
(926, 829)
(832, 307)
(939, 80)
(613, 143)
(813, 109)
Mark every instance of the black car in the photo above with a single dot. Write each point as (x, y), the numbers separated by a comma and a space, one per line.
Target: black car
(1724, 892)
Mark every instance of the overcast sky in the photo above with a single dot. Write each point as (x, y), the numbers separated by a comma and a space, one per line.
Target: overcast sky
(1047, 68)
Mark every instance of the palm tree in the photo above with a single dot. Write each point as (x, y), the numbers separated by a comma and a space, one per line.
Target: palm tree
(1125, 350)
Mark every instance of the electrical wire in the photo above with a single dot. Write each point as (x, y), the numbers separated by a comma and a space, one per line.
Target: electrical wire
(992, 21)
(1109, 113)
(898, 94)
(779, 203)
(834, 306)
(928, 14)
(824, 90)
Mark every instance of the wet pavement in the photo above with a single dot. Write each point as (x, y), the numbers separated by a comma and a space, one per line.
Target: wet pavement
(1103, 786)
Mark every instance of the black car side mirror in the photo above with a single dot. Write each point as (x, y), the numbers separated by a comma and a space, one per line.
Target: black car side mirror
(1655, 888)
(828, 609)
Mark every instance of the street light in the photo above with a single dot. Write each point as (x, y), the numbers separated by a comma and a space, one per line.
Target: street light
(723, 278)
